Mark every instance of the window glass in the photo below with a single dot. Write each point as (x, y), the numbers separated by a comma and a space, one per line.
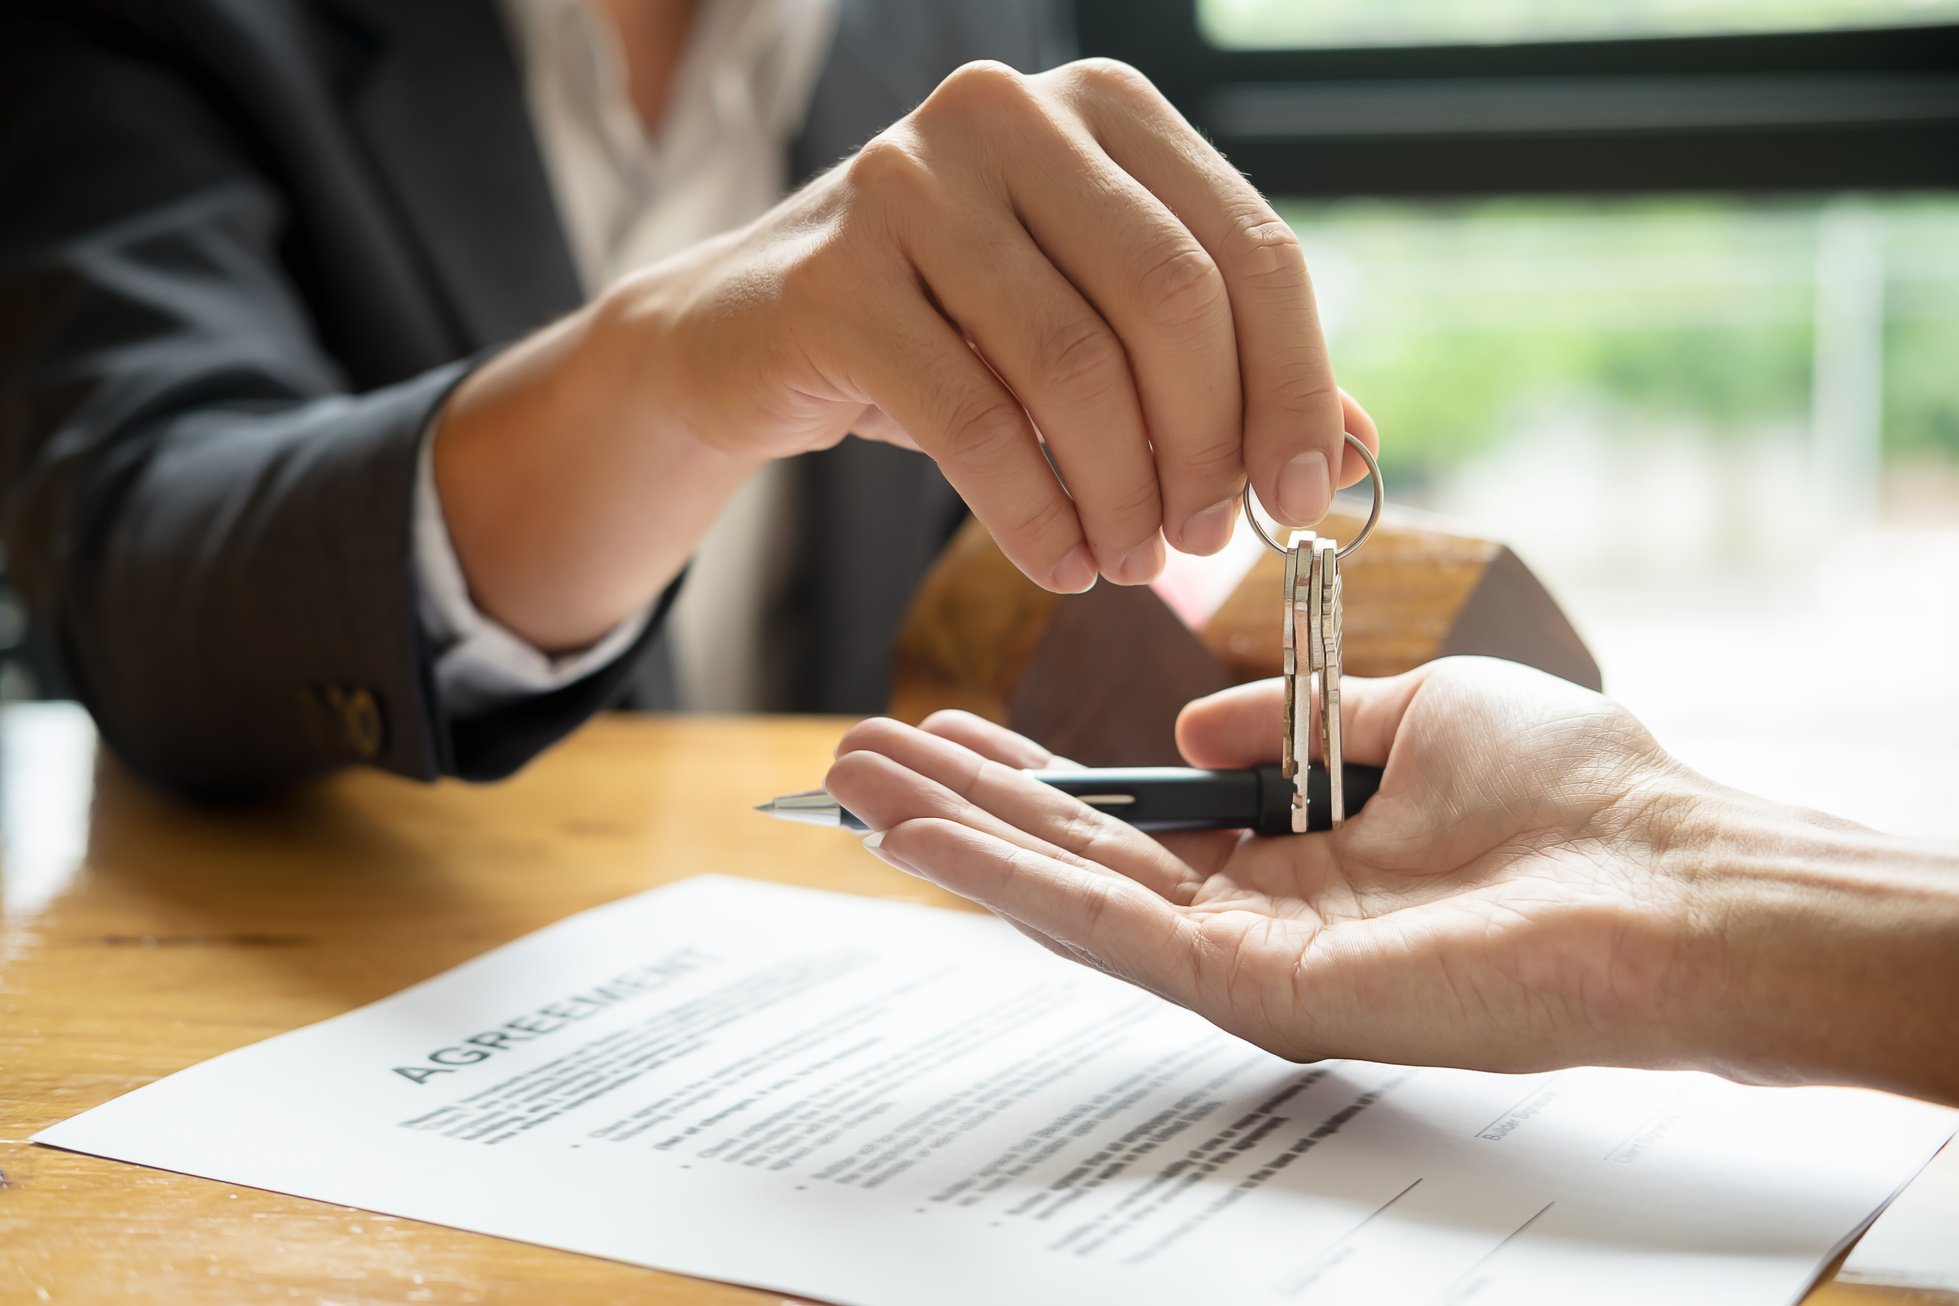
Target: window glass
(1283, 23)
(1725, 433)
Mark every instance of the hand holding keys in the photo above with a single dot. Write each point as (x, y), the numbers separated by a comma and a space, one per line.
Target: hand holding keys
(1311, 641)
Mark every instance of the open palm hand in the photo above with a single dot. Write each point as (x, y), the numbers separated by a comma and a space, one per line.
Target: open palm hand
(1502, 903)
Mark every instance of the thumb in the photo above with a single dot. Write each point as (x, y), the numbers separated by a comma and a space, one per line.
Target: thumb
(1241, 726)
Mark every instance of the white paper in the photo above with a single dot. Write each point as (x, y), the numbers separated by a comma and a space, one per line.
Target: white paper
(885, 1104)
(1915, 1243)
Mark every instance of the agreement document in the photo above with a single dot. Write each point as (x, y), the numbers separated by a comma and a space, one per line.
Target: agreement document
(883, 1104)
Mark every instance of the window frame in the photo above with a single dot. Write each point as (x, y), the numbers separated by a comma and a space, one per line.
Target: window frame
(1863, 108)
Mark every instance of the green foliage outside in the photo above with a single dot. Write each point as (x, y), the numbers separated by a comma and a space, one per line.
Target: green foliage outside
(1452, 323)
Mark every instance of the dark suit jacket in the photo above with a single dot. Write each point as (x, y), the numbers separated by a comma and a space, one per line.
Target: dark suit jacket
(246, 247)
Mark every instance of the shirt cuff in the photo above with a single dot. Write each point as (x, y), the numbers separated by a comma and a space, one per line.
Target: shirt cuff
(480, 665)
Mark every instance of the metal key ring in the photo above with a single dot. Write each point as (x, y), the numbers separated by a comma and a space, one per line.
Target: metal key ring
(1373, 515)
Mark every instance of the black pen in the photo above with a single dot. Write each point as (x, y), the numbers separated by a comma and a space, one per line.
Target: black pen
(1155, 798)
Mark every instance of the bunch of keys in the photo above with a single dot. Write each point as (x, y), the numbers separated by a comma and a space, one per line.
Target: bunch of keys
(1311, 633)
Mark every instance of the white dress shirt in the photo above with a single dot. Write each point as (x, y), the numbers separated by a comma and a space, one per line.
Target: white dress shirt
(626, 199)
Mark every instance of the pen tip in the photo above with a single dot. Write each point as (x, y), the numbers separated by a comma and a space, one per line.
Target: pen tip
(765, 807)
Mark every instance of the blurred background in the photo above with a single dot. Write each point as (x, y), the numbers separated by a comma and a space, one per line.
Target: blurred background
(1665, 295)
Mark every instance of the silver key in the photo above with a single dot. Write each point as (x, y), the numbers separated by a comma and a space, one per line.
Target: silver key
(1311, 634)
(1327, 570)
(1314, 607)
(1288, 760)
(1295, 750)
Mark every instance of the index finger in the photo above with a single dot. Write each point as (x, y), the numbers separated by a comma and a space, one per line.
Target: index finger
(1295, 427)
(1123, 927)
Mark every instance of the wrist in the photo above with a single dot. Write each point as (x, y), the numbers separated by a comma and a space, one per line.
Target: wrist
(571, 483)
(1815, 950)
(697, 343)
(632, 346)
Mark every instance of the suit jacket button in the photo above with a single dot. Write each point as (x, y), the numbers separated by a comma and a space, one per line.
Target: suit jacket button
(361, 724)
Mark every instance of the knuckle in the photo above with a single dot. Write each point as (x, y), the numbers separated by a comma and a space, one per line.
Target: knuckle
(984, 432)
(1084, 835)
(1301, 384)
(1110, 77)
(1220, 457)
(984, 87)
(1083, 358)
(1098, 899)
(887, 164)
(987, 777)
(1182, 288)
(1141, 500)
(1266, 252)
(1050, 516)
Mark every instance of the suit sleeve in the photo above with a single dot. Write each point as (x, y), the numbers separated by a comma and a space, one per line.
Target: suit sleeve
(213, 531)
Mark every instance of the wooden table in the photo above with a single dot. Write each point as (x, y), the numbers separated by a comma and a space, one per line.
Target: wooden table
(138, 937)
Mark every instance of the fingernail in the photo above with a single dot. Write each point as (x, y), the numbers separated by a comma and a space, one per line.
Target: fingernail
(1305, 489)
(1074, 573)
(1210, 530)
(1141, 564)
(874, 844)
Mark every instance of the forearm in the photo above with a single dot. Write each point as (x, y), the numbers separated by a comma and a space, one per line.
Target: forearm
(573, 489)
(1824, 952)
